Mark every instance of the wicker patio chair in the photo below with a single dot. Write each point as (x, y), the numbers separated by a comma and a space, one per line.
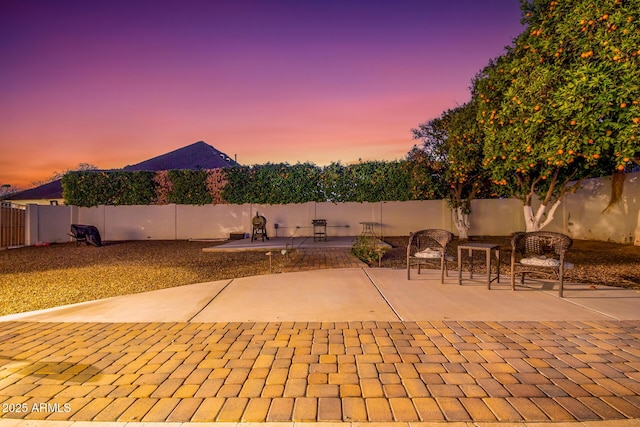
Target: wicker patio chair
(429, 246)
(540, 252)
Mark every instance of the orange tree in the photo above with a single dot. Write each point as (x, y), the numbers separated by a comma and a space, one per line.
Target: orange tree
(453, 145)
(562, 103)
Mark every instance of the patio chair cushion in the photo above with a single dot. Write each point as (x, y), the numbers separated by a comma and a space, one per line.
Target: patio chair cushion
(432, 254)
(428, 253)
(543, 261)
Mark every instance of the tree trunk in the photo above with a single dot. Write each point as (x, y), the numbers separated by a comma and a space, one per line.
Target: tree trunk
(530, 221)
(461, 221)
(617, 187)
(538, 220)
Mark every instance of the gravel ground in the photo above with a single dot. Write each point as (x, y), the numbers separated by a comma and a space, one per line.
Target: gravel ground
(34, 278)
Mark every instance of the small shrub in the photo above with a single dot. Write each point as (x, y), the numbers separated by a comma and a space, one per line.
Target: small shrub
(368, 249)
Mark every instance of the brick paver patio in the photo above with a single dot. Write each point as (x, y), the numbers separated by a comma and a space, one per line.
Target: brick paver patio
(315, 258)
(356, 371)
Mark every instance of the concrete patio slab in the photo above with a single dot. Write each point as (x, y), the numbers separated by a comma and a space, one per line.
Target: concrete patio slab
(352, 294)
(279, 243)
(178, 304)
(424, 297)
(620, 303)
(327, 295)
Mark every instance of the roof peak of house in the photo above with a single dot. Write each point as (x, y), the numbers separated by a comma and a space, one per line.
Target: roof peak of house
(198, 155)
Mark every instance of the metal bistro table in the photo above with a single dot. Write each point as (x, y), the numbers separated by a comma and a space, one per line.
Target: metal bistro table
(367, 229)
(488, 248)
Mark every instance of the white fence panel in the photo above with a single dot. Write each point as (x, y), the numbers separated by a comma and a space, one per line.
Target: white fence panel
(91, 216)
(402, 218)
(140, 222)
(343, 219)
(581, 215)
(211, 221)
(48, 224)
(496, 217)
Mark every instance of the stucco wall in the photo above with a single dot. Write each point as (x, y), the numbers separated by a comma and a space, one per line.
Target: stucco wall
(581, 215)
(48, 224)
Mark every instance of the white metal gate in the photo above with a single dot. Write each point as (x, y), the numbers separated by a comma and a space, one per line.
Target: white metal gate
(12, 225)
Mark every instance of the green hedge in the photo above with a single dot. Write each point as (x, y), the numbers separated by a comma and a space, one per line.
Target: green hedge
(270, 183)
(189, 187)
(273, 184)
(92, 188)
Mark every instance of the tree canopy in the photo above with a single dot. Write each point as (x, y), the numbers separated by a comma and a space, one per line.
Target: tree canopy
(453, 145)
(563, 102)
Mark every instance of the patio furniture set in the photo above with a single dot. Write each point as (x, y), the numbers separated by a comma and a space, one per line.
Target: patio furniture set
(259, 228)
(541, 252)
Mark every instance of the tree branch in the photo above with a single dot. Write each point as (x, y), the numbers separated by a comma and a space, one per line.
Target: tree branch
(552, 187)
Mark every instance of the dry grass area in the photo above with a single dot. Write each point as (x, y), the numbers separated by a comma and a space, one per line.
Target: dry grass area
(603, 263)
(34, 278)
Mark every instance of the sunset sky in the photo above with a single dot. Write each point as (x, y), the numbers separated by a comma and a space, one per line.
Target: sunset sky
(116, 82)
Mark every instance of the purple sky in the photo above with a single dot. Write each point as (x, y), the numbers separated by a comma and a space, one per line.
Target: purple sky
(116, 82)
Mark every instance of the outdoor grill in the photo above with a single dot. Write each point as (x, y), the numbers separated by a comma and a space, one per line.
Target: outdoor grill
(88, 234)
(259, 225)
